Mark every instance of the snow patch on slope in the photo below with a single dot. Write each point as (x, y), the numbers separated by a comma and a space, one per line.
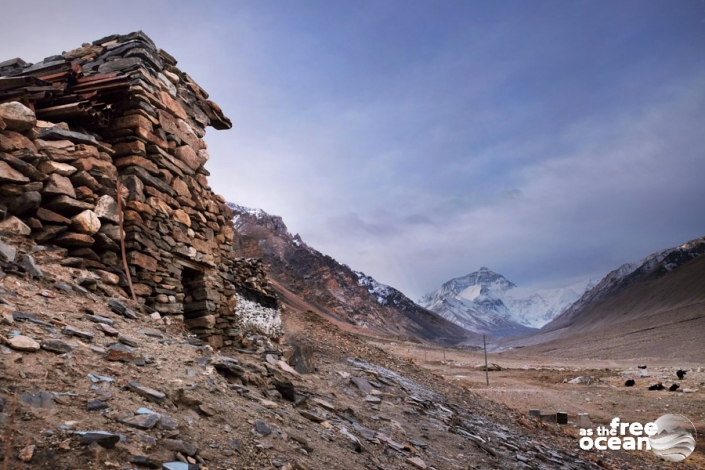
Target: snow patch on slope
(238, 209)
(471, 293)
(380, 291)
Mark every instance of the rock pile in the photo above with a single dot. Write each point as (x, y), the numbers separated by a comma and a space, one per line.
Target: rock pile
(119, 110)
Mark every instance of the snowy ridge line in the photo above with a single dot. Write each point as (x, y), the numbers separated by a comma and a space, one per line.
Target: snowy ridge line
(616, 278)
(487, 302)
(258, 213)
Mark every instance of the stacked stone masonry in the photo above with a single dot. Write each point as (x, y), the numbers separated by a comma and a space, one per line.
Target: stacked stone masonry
(119, 109)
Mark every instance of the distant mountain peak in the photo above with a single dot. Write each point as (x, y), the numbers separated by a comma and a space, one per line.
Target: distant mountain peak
(484, 279)
(486, 302)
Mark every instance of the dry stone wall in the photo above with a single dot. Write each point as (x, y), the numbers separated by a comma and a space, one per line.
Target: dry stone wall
(119, 109)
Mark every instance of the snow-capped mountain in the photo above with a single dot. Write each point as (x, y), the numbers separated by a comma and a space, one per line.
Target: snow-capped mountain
(486, 302)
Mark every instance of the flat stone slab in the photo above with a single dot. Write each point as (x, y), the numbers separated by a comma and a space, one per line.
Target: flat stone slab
(151, 332)
(57, 346)
(149, 393)
(144, 461)
(145, 421)
(390, 442)
(419, 444)
(262, 428)
(149, 440)
(311, 416)
(17, 117)
(207, 410)
(7, 253)
(96, 405)
(271, 359)
(178, 445)
(323, 404)
(269, 404)
(145, 411)
(99, 319)
(103, 438)
(23, 343)
(179, 466)
(30, 317)
(128, 341)
(71, 331)
(121, 309)
(54, 133)
(108, 330)
(362, 384)
(30, 266)
(167, 423)
(286, 368)
(123, 353)
(417, 463)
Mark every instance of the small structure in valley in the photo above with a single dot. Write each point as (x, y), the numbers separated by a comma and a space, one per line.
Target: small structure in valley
(119, 108)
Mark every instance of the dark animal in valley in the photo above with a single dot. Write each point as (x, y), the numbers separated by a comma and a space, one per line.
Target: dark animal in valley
(680, 373)
(658, 386)
(629, 383)
(673, 387)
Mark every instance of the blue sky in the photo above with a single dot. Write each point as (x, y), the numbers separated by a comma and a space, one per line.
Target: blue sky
(416, 141)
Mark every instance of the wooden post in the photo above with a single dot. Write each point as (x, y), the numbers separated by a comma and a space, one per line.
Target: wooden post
(444, 353)
(118, 186)
(487, 371)
(424, 355)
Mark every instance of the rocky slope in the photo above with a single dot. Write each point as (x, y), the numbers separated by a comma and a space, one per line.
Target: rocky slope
(486, 302)
(336, 289)
(83, 386)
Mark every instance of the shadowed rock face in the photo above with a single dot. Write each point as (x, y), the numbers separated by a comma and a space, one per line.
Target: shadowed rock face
(335, 288)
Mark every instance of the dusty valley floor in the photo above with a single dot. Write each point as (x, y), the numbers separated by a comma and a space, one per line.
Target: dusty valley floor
(537, 382)
(143, 394)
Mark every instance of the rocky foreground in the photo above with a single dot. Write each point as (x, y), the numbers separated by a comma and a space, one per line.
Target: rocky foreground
(91, 382)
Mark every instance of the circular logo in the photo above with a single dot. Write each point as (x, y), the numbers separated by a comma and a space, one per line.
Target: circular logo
(674, 440)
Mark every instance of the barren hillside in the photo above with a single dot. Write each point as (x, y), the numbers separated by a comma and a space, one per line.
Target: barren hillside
(334, 288)
(655, 312)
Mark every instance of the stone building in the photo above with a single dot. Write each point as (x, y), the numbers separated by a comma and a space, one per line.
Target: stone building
(119, 109)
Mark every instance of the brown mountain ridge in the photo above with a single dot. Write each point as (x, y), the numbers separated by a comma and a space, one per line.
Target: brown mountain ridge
(656, 310)
(332, 288)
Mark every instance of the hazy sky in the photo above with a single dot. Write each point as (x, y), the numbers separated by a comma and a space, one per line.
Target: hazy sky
(416, 141)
